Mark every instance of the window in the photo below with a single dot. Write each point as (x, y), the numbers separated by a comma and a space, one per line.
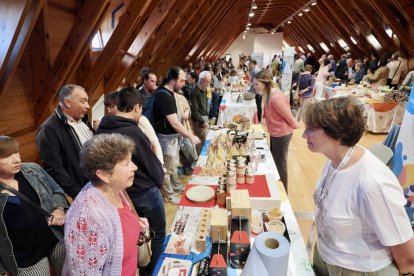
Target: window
(353, 40)
(389, 32)
(374, 42)
(324, 47)
(97, 41)
(343, 44)
(310, 48)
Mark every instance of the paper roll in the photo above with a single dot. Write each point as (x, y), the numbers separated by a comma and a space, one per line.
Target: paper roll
(269, 256)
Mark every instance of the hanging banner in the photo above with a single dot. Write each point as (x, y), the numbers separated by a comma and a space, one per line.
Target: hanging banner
(259, 59)
(288, 60)
(403, 160)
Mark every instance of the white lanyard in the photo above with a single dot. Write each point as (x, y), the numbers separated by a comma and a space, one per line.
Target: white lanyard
(322, 193)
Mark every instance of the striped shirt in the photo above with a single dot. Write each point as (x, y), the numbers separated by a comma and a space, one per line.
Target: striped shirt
(81, 129)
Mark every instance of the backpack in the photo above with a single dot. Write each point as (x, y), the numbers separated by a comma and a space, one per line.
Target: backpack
(148, 108)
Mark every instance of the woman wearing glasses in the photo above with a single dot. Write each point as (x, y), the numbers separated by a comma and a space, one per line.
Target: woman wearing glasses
(101, 231)
(359, 205)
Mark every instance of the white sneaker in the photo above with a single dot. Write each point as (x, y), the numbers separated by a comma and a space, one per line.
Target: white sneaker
(173, 199)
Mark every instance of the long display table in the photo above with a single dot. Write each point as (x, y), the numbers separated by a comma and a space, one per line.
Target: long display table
(180, 249)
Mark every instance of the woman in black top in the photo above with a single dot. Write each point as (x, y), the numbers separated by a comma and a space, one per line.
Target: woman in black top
(28, 239)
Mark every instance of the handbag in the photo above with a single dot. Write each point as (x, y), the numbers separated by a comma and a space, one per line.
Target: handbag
(144, 240)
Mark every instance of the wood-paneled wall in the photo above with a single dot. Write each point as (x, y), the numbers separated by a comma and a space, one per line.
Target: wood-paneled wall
(47, 43)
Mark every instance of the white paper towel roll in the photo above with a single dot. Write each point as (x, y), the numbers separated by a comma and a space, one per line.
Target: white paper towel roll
(269, 256)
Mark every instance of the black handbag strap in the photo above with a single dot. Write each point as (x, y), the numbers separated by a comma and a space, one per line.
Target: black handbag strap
(25, 199)
(395, 73)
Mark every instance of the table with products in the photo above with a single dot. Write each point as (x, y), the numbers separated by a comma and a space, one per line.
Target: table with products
(202, 240)
(233, 107)
(383, 107)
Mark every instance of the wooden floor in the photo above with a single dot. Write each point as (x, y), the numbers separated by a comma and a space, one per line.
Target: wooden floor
(304, 168)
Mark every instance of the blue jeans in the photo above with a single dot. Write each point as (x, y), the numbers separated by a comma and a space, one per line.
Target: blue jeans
(151, 206)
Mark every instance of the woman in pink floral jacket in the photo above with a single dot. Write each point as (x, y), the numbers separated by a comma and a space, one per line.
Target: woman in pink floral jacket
(101, 231)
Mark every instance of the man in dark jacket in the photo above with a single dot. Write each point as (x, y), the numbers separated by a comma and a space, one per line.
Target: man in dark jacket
(145, 191)
(200, 108)
(60, 138)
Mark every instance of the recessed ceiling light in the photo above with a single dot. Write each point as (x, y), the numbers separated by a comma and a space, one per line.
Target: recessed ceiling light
(306, 9)
(289, 22)
(313, 3)
(300, 14)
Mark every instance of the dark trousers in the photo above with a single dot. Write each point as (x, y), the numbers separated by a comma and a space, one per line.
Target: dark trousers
(151, 206)
(259, 106)
(215, 103)
(279, 148)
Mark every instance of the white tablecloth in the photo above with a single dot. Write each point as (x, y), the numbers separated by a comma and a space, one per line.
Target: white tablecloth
(230, 108)
(299, 263)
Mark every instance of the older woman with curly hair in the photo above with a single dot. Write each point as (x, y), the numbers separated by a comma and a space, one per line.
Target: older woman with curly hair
(359, 204)
(101, 231)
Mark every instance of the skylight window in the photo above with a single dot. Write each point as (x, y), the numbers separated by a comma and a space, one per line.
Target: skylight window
(343, 44)
(97, 41)
(310, 48)
(324, 47)
(285, 44)
(389, 32)
(301, 49)
(353, 40)
(374, 42)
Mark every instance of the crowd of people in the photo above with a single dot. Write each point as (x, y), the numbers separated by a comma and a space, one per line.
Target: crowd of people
(118, 173)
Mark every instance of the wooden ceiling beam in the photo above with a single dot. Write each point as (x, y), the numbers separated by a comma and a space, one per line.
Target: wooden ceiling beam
(312, 37)
(301, 40)
(406, 7)
(323, 35)
(369, 14)
(308, 38)
(223, 13)
(18, 21)
(318, 9)
(188, 37)
(146, 32)
(168, 45)
(342, 26)
(127, 23)
(351, 26)
(219, 30)
(352, 15)
(389, 17)
(75, 46)
(204, 32)
(40, 52)
(163, 36)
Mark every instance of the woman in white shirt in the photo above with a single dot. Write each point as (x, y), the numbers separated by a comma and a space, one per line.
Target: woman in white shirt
(359, 204)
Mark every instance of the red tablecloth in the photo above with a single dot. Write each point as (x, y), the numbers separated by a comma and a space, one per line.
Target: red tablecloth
(258, 189)
(185, 202)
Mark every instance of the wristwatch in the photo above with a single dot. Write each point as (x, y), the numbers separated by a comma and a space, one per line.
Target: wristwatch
(59, 208)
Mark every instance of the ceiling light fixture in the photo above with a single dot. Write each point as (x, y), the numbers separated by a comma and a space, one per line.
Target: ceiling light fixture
(298, 12)
(249, 24)
(254, 6)
(247, 28)
(251, 14)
